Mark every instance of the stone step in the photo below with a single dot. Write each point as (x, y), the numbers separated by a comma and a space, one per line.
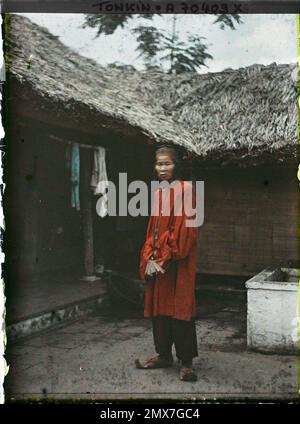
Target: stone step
(67, 312)
(72, 311)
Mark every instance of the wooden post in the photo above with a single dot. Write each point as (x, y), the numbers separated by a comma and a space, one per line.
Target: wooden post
(87, 216)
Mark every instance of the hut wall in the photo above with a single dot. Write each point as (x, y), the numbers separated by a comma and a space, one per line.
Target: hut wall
(118, 239)
(44, 232)
(250, 214)
(250, 220)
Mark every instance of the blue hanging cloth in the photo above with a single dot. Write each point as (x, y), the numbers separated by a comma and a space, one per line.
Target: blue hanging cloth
(75, 175)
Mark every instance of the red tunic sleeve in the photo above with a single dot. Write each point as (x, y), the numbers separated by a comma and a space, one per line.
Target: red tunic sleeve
(177, 242)
(174, 243)
(146, 251)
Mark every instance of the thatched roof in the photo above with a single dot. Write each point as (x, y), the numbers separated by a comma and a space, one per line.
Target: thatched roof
(251, 110)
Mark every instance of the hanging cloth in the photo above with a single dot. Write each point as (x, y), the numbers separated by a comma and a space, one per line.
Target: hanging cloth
(75, 175)
(99, 180)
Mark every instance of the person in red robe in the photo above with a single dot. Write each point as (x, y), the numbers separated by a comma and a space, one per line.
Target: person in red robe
(168, 268)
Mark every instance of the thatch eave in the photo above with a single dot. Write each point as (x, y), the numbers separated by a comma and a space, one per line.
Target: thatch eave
(252, 110)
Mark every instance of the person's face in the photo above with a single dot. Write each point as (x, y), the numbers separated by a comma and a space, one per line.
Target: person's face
(164, 166)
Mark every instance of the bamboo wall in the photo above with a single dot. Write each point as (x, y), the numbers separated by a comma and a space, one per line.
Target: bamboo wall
(250, 220)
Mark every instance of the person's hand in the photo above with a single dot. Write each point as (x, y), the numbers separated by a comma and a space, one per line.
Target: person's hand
(152, 267)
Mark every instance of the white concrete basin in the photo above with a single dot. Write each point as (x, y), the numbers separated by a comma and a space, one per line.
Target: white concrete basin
(273, 311)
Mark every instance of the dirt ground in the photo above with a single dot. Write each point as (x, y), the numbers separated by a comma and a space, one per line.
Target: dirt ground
(93, 358)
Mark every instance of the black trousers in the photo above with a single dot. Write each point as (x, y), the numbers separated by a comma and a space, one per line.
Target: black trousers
(168, 330)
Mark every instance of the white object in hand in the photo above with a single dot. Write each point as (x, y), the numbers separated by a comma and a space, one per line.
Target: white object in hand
(152, 267)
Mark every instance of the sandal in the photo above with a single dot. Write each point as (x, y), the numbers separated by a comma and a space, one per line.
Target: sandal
(187, 374)
(156, 362)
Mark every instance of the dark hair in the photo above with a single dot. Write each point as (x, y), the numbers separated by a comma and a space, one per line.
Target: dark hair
(175, 157)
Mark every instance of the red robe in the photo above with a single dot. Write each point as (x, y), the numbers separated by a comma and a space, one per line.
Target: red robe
(171, 293)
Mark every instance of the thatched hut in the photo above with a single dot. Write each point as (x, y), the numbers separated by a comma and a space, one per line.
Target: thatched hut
(238, 131)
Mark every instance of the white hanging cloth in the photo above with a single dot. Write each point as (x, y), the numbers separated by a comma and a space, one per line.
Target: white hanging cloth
(99, 180)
